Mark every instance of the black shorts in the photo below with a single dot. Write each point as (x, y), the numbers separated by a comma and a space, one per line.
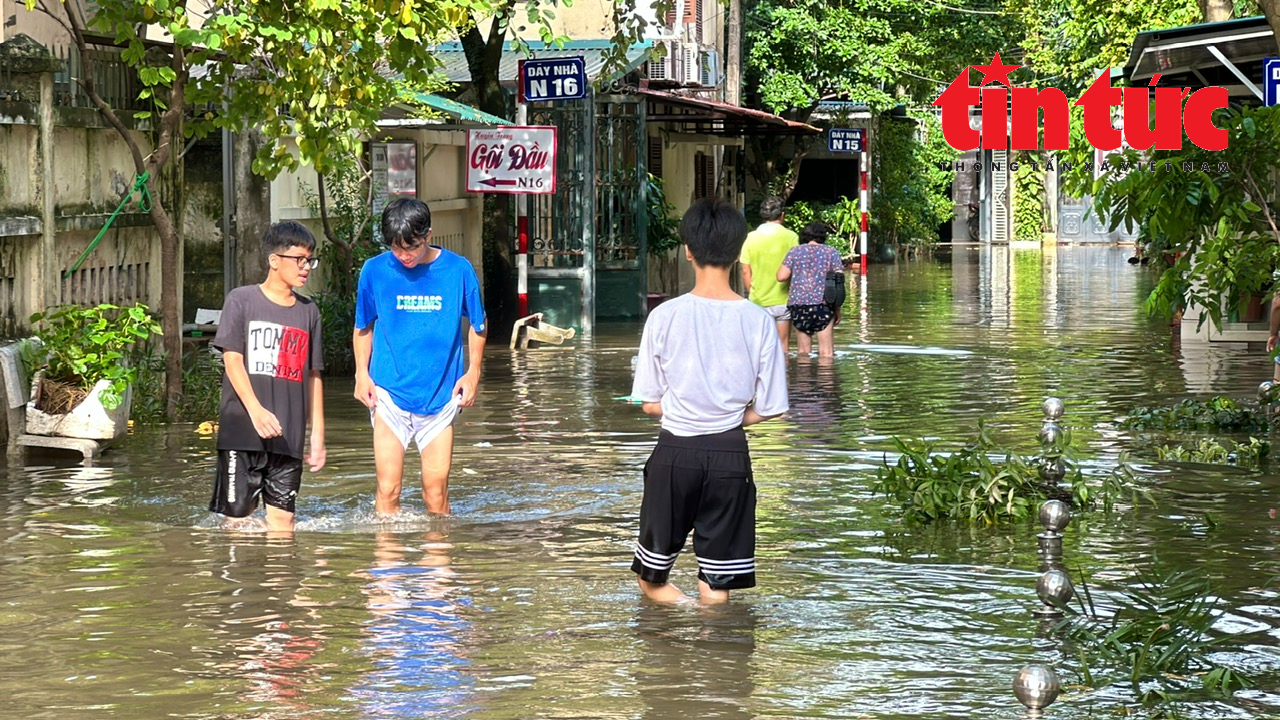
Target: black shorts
(243, 475)
(811, 319)
(703, 484)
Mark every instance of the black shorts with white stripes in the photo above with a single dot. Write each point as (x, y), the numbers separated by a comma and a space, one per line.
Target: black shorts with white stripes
(704, 484)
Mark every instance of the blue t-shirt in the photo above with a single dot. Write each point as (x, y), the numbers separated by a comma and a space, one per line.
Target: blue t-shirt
(416, 315)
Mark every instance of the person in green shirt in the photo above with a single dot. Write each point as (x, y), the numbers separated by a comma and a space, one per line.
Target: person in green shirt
(762, 255)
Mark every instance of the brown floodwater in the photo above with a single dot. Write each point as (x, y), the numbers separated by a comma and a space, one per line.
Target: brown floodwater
(121, 597)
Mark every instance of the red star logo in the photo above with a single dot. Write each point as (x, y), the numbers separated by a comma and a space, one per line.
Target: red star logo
(995, 72)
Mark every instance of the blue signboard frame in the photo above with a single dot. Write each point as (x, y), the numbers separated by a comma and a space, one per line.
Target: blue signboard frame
(547, 79)
(1271, 81)
(845, 140)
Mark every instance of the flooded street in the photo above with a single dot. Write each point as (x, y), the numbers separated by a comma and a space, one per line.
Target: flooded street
(120, 596)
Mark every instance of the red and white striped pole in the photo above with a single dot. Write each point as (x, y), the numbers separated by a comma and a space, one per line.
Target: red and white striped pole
(522, 209)
(862, 202)
(522, 257)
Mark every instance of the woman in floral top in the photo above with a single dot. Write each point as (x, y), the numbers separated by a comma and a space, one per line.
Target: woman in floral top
(806, 266)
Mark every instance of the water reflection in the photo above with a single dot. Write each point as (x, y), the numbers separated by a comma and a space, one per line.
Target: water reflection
(710, 650)
(414, 636)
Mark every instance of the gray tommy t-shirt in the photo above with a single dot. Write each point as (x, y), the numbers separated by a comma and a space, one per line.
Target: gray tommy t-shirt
(706, 360)
(281, 346)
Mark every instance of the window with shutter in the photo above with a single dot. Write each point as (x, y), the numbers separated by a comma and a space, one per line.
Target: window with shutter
(699, 179)
(655, 157)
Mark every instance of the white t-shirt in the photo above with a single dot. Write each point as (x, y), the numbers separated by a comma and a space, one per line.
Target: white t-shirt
(706, 360)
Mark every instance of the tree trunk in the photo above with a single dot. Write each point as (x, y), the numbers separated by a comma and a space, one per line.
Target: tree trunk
(170, 317)
(774, 170)
(484, 58)
(1271, 10)
(1216, 10)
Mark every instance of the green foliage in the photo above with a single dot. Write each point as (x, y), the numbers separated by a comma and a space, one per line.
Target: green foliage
(663, 223)
(1066, 42)
(1219, 413)
(843, 217)
(1216, 209)
(1251, 454)
(1028, 199)
(985, 483)
(82, 345)
(201, 387)
(1156, 639)
(912, 191)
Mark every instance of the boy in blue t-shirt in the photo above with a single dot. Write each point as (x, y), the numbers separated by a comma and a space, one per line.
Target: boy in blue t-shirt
(408, 351)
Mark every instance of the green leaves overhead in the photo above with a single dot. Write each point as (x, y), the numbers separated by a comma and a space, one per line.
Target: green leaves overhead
(878, 52)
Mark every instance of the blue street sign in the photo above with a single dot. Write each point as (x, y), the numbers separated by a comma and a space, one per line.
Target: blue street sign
(1271, 81)
(553, 79)
(845, 140)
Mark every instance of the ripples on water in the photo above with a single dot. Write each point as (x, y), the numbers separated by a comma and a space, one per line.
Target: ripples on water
(120, 597)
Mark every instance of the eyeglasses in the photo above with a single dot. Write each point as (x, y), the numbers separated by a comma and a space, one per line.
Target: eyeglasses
(302, 260)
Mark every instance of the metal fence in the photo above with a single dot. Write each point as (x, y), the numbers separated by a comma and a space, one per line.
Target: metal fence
(117, 83)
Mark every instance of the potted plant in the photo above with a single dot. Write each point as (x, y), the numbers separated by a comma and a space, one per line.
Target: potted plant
(82, 379)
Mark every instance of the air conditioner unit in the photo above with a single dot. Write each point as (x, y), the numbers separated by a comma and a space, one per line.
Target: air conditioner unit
(664, 68)
(691, 72)
(710, 69)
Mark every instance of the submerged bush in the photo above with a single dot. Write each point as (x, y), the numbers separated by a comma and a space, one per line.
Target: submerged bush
(1216, 413)
(982, 482)
(1155, 641)
(201, 387)
(1251, 454)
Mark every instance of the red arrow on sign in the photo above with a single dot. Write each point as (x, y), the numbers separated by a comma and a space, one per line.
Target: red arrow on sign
(495, 182)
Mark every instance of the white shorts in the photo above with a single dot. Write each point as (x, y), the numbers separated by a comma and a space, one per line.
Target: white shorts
(422, 429)
(780, 313)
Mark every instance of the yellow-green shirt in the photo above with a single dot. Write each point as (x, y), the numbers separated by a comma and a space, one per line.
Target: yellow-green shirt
(764, 250)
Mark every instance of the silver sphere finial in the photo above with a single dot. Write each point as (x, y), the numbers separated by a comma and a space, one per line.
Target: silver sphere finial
(1051, 433)
(1266, 392)
(1053, 408)
(1054, 588)
(1055, 515)
(1036, 686)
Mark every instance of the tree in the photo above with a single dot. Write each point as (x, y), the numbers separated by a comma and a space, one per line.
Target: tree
(877, 52)
(1214, 211)
(320, 72)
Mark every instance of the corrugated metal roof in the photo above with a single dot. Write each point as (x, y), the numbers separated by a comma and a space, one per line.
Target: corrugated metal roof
(456, 109)
(454, 60)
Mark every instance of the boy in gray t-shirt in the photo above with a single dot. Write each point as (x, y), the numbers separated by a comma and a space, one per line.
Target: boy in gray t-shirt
(710, 363)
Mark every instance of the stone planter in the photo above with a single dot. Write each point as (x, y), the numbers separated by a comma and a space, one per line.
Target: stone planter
(89, 419)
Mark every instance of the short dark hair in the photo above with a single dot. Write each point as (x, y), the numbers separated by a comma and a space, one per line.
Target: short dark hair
(406, 222)
(287, 234)
(816, 231)
(714, 230)
(772, 208)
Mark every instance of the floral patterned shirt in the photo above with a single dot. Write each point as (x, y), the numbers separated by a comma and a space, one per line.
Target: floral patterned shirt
(809, 265)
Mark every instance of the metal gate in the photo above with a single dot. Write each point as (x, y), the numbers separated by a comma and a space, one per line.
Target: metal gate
(587, 240)
(621, 208)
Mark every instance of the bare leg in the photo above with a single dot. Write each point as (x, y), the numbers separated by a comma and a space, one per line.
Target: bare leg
(279, 521)
(827, 341)
(436, 461)
(388, 461)
(708, 596)
(804, 343)
(665, 593)
(1276, 375)
(784, 334)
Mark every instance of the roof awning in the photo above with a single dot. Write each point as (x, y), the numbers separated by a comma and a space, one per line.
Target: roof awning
(454, 61)
(1227, 54)
(455, 109)
(714, 117)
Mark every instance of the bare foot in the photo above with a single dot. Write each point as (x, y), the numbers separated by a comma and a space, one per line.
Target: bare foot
(666, 593)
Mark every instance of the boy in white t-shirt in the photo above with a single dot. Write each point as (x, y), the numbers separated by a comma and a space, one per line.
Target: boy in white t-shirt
(710, 363)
